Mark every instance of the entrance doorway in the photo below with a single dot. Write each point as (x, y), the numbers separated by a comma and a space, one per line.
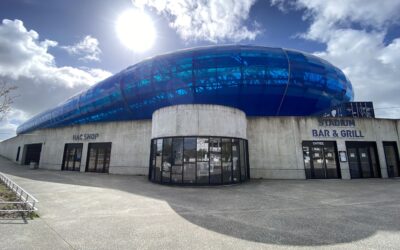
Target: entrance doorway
(98, 159)
(320, 160)
(32, 153)
(363, 160)
(392, 158)
(72, 157)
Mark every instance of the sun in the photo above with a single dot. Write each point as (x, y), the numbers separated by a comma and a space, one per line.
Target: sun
(135, 30)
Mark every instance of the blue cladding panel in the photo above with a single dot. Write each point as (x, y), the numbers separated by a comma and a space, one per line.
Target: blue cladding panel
(261, 81)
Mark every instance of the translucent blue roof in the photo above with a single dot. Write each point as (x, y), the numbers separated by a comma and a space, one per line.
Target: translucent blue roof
(261, 81)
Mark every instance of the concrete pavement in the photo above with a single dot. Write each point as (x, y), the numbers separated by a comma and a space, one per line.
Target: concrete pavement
(101, 211)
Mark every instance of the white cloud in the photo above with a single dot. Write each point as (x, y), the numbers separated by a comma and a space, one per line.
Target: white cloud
(26, 63)
(371, 64)
(209, 20)
(87, 49)
(9, 124)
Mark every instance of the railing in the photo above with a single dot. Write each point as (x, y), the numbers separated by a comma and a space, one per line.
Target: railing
(26, 201)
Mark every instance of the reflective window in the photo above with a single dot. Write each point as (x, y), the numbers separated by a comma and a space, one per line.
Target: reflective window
(202, 160)
(177, 160)
(235, 160)
(254, 79)
(215, 161)
(198, 160)
(167, 160)
(98, 157)
(72, 156)
(158, 159)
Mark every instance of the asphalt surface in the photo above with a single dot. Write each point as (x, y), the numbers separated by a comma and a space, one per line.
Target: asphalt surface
(101, 211)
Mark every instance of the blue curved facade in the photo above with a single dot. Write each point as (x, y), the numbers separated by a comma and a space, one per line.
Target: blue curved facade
(261, 81)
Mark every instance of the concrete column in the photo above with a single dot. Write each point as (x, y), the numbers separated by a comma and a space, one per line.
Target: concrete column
(344, 166)
(382, 159)
(301, 173)
(84, 156)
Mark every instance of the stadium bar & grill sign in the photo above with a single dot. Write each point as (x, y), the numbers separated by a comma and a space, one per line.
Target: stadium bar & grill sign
(342, 128)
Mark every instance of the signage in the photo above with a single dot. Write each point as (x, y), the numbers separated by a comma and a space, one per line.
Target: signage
(350, 109)
(336, 122)
(348, 130)
(345, 133)
(342, 156)
(85, 137)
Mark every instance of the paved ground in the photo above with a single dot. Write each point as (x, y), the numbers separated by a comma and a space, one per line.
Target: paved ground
(99, 211)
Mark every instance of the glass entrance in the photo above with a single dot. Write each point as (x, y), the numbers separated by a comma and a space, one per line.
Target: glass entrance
(98, 159)
(392, 159)
(72, 157)
(202, 160)
(363, 160)
(320, 160)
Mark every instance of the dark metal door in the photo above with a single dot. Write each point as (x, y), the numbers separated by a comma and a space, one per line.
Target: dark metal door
(363, 160)
(33, 153)
(392, 159)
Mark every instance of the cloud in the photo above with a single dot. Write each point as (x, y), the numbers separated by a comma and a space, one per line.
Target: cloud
(87, 49)
(354, 33)
(26, 63)
(9, 124)
(208, 20)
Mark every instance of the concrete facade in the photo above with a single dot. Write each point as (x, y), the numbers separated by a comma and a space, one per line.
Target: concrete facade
(274, 143)
(206, 120)
(130, 148)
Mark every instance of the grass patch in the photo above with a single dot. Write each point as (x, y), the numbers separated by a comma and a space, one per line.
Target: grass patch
(6, 195)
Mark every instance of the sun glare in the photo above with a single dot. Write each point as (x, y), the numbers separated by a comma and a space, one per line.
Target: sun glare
(135, 30)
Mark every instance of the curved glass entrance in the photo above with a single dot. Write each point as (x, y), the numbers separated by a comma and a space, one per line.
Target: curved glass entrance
(198, 160)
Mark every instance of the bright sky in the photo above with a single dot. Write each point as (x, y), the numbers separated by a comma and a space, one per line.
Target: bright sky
(53, 49)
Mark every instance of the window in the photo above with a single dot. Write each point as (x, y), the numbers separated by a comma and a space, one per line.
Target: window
(72, 157)
(202, 160)
(198, 160)
(98, 159)
(177, 160)
(18, 151)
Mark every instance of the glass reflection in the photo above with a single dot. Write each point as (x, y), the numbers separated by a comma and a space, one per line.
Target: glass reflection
(253, 79)
(198, 160)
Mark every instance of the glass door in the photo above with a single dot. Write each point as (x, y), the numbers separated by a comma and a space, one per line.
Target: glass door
(330, 162)
(98, 157)
(392, 159)
(72, 157)
(318, 163)
(320, 160)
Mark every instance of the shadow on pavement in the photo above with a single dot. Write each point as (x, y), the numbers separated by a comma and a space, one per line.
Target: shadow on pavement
(299, 213)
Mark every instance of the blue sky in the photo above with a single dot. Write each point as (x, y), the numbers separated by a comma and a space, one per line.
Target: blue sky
(54, 49)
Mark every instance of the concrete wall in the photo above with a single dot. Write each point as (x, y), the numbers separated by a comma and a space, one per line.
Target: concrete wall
(130, 149)
(275, 143)
(208, 120)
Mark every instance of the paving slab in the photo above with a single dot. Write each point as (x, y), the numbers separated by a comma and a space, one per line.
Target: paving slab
(104, 211)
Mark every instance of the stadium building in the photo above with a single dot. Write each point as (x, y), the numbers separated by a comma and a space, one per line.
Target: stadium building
(215, 115)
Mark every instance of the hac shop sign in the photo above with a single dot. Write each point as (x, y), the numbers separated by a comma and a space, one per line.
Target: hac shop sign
(85, 137)
(348, 130)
